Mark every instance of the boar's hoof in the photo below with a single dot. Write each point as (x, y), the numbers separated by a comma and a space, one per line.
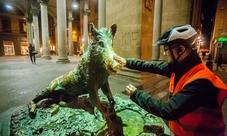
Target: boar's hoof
(55, 109)
(32, 115)
(32, 109)
(112, 103)
(98, 115)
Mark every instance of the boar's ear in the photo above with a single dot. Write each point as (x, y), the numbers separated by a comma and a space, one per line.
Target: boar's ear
(113, 29)
(93, 29)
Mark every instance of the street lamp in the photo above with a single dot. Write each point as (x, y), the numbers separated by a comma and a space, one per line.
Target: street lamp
(75, 4)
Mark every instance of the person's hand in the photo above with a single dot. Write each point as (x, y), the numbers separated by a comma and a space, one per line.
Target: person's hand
(130, 89)
(120, 60)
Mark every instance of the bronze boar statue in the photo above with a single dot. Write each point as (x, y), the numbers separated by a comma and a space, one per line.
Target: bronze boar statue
(89, 76)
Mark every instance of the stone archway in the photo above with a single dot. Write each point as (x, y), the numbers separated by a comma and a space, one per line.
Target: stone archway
(19, 4)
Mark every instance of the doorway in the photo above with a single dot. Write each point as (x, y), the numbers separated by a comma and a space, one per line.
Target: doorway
(24, 47)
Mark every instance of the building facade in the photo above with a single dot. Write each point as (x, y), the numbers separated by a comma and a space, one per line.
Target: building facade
(219, 38)
(139, 22)
(13, 31)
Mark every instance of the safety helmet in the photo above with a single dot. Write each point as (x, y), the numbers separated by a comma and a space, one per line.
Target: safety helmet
(184, 34)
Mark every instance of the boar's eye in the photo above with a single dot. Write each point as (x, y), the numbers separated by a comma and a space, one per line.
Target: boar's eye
(101, 44)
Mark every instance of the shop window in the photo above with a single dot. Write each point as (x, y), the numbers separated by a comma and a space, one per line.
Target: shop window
(9, 48)
(24, 48)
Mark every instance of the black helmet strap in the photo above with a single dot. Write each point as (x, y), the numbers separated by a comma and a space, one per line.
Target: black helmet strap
(175, 60)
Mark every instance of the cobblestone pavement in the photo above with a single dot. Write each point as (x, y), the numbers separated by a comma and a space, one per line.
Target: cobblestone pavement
(20, 81)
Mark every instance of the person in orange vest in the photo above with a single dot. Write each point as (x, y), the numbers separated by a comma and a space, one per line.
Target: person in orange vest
(196, 96)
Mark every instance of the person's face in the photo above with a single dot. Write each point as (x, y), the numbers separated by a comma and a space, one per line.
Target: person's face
(170, 56)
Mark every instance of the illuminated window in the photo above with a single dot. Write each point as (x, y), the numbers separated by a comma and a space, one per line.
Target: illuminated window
(24, 48)
(9, 48)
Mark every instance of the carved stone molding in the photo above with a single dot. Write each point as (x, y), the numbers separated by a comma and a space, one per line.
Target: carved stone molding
(70, 19)
(86, 11)
(44, 2)
(34, 4)
(29, 19)
(34, 12)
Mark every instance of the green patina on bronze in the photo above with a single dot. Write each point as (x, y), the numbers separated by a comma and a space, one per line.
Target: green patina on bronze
(79, 121)
(90, 75)
(85, 111)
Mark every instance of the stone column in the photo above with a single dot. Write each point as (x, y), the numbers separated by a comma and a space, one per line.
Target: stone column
(101, 13)
(29, 30)
(62, 35)
(45, 29)
(70, 41)
(86, 12)
(35, 14)
(56, 37)
(157, 28)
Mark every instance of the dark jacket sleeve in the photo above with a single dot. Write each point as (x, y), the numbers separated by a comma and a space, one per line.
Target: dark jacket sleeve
(198, 93)
(157, 67)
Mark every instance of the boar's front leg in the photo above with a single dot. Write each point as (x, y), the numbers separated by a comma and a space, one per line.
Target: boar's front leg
(95, 101)
(113, 121)
(106, 90)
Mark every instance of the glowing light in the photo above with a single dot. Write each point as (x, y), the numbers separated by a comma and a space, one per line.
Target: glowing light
(9, 6)
(75, 5)
(222, 39)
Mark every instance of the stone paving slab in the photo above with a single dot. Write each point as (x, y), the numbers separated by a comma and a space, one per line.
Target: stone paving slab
(20, 81)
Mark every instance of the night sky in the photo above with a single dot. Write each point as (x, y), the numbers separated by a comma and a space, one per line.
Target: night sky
(208, 10)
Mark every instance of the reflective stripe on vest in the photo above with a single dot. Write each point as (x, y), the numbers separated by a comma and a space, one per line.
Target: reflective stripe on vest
(202, 121)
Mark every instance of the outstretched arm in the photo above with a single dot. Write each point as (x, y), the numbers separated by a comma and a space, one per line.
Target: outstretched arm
(156, 67)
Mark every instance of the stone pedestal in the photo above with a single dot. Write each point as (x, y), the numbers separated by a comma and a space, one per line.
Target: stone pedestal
(81, 119)
(63, 60)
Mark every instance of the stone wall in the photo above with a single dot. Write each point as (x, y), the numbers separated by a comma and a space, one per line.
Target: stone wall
(174, 12)
(127, 15)
(220, 30)
(221, 20)
(135, 24)
(134, 35)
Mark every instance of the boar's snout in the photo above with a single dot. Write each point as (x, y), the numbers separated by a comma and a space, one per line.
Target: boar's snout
(113, 66)
(116, 66)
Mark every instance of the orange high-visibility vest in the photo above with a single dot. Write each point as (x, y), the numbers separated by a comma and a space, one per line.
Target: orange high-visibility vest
(202, 121)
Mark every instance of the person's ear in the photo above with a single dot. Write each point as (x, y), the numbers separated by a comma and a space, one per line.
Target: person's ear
(180, 49)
